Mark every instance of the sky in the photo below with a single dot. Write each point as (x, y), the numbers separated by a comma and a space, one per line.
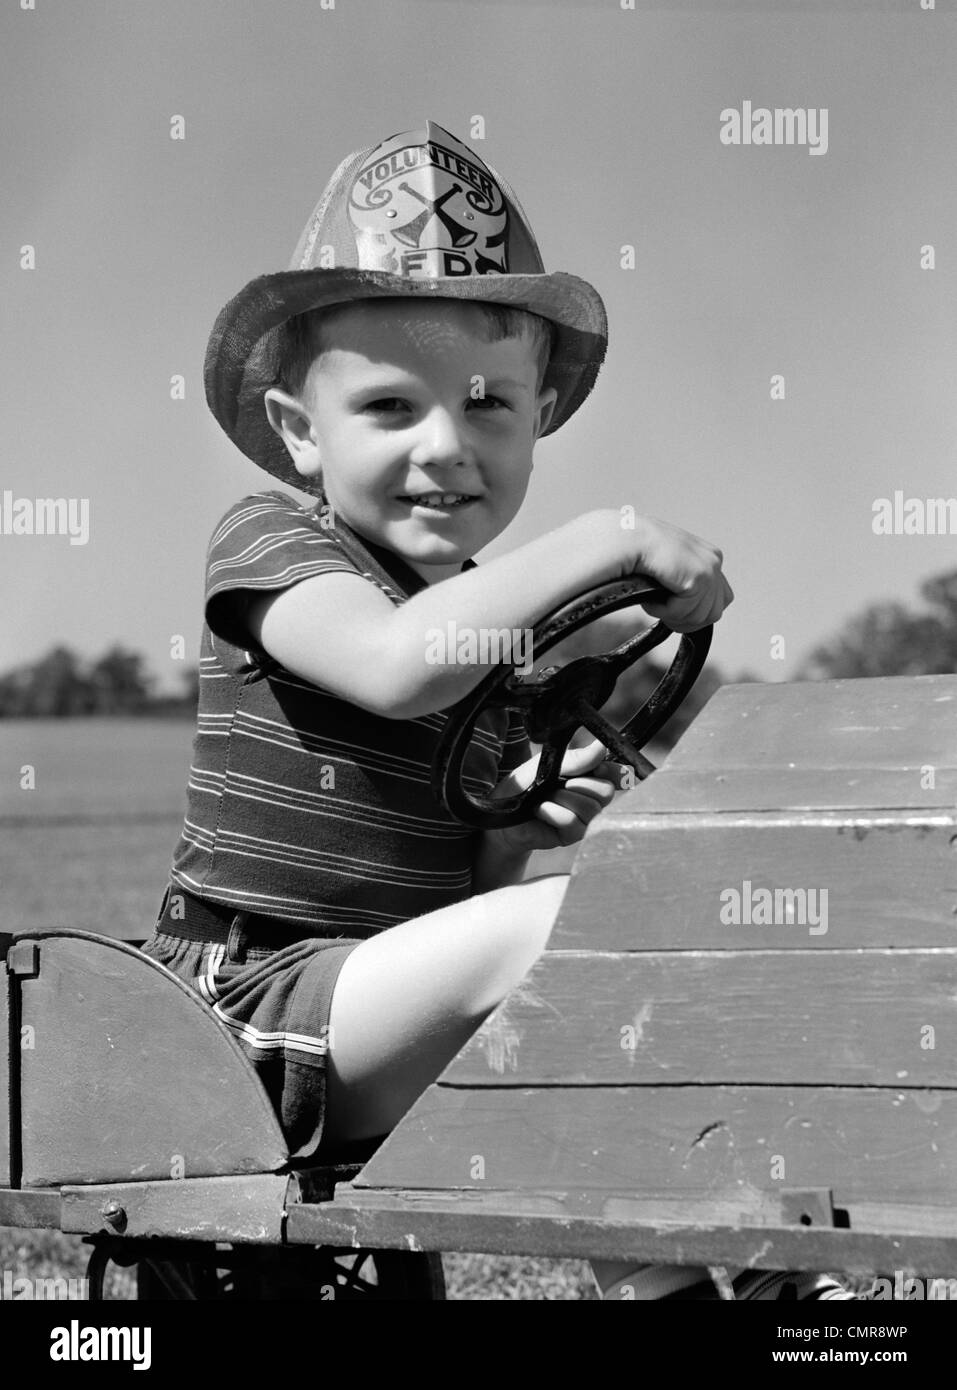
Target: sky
(750, 262)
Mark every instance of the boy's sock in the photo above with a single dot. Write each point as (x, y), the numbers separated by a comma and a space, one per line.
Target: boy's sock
(689, 1282)
(766, 1284)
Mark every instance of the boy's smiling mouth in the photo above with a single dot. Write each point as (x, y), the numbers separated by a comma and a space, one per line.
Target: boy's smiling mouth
(438, 501)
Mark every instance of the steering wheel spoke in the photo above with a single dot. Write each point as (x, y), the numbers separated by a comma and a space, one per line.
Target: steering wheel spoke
(619, 747)
(548, 772)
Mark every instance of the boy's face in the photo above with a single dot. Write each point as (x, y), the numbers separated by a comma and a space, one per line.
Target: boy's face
(393, 414)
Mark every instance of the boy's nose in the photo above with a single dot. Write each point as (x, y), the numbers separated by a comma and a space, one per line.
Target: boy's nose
(439, 439)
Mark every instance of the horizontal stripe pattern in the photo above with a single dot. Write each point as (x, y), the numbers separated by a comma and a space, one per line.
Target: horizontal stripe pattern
(300, 805)
(257, 1040)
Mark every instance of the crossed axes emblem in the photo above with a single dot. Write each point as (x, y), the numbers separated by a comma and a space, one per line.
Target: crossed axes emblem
(410, 232)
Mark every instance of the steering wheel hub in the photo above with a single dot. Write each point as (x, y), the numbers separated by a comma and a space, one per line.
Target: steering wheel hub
(558, 696)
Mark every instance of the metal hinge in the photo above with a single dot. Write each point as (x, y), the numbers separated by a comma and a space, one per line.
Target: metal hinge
(23, 959)
(811, 1206)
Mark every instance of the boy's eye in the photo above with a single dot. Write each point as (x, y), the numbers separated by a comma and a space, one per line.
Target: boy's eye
(395, 405)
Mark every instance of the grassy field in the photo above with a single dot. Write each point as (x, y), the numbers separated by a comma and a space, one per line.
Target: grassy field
(110, 795)
(90, 847)
(49, 1254)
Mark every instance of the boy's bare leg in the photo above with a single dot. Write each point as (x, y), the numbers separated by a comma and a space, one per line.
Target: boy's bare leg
(406, 1001)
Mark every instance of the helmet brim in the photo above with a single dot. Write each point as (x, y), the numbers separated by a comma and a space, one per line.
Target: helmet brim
(242, 356)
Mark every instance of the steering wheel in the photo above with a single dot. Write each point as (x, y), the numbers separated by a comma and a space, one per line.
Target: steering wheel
(560, 699)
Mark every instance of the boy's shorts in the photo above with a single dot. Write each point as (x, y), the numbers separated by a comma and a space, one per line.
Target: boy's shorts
(274, 1000)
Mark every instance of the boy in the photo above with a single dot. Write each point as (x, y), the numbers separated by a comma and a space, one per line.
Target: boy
(341, 924)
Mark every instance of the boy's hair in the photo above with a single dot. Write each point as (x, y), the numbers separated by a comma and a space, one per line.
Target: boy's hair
(301, 338)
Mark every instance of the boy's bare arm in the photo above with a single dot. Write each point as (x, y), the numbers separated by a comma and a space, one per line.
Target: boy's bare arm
(342, 633)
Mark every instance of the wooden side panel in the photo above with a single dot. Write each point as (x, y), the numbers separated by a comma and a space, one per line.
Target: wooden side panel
(783, 1208)
(887, 721)
(30, 1209)
(821, 744)
(6, 1044)
(245, 1209)
(839, 1018)
(128, 1076)
(793, 788)
(731, 1144)
(579, 1226)
(655, 882)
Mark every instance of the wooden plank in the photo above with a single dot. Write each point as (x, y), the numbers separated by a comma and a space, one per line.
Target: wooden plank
(552, 1225)
(887, 721)
(821, 744)
(7, 1060)
(767, 1210)
(242, 1210)
(40, 1210)
(798, 789)
(654, 882)
(727, 1142)
(130, 1076)
(840, 1018)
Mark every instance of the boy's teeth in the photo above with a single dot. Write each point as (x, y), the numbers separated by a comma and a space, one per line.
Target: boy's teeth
(444, 499)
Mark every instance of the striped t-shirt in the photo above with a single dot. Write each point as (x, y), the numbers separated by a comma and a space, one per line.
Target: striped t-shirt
(301, 805)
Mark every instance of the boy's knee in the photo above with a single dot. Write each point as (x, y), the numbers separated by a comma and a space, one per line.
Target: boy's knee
(517, 923)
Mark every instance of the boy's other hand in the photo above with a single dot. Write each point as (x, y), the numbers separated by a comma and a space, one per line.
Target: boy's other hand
(592, 780)
(684, 563)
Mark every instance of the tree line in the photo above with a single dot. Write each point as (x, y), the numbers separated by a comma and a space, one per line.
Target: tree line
(60, 685)
(885, 639)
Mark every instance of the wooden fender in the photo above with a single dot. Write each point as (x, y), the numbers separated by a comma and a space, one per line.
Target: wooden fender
(6, 1052)
(123, 1074)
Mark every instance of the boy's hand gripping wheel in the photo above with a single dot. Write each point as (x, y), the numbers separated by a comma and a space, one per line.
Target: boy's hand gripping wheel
(558, 700)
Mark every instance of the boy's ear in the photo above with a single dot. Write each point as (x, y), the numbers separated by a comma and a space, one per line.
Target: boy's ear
(545, 407)
(289, 418)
